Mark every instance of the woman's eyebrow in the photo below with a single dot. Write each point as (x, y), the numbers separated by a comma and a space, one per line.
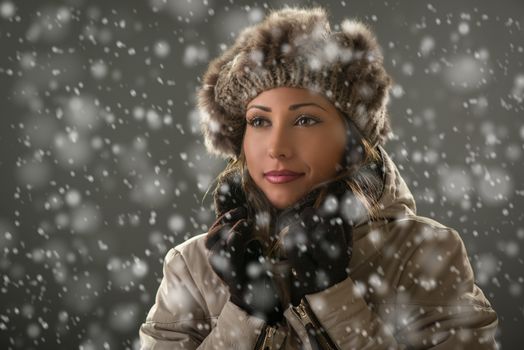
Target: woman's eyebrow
(291, 108)
(264, 108)
(297, 106)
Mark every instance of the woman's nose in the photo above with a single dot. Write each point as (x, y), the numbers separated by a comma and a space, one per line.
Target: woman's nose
(279, 144)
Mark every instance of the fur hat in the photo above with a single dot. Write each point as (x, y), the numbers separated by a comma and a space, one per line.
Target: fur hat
(295, 47)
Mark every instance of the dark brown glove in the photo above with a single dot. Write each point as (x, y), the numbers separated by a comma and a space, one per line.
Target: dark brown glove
(318, 246)
(238, 260)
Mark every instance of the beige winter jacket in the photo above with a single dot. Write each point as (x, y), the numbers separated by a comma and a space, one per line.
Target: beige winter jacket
(411, 286)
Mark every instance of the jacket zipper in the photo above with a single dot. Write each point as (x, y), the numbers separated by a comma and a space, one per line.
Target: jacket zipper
(313, 327)
(266, 335)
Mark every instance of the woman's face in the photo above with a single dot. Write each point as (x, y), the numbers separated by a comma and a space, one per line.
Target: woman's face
(292, 129)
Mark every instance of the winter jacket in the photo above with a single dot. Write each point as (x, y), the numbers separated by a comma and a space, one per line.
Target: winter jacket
(411, 286)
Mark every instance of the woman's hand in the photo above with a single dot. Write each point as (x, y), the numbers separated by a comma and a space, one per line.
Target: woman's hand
(318, 247)
(238, 260)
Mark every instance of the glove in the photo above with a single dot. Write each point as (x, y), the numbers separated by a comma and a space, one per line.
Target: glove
(229, 194)
(318, 245)
(238, 260)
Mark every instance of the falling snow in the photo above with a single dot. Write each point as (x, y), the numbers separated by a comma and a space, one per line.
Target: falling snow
(104, 169)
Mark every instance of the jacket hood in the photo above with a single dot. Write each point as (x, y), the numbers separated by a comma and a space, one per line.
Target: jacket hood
(396, 199)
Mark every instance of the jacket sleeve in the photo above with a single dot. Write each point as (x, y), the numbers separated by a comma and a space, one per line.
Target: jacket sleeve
(436, 305)
(180, 319)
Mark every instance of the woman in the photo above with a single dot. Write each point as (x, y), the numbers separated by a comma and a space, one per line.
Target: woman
(316, 244)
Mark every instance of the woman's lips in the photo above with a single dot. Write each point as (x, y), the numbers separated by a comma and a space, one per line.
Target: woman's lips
(280, 179)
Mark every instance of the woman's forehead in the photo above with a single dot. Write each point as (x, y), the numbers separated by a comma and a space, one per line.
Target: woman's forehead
(286, 96)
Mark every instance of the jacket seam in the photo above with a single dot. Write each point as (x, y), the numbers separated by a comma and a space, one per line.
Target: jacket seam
(420, 219)
(385, 175)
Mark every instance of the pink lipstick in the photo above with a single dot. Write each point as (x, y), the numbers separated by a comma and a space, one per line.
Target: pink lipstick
(281, 176)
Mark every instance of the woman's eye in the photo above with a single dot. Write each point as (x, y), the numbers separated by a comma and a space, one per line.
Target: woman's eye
(256, 122)
(306, 121)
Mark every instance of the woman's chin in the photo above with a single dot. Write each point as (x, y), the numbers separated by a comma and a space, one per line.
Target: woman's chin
(283, 203)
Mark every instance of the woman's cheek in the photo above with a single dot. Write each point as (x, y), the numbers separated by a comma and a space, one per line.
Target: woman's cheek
(254, 152)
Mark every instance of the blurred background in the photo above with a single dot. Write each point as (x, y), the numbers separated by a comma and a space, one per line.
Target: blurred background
(103, 168)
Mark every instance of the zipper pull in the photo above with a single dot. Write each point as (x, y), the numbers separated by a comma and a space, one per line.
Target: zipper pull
(270, 331)
(300, 309)
(317, 336)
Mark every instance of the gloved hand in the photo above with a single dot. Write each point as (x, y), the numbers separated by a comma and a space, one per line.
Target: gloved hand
(318, 246)
(228, 194)
(238, 260)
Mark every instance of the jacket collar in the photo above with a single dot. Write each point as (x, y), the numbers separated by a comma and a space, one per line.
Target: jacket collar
(396, 198)
(396, 201)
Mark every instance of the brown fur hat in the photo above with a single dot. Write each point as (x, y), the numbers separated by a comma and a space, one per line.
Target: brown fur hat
(295, 47)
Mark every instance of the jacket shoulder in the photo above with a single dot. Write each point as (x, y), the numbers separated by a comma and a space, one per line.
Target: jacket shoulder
(420, 230)
(422, 221)
(434, 263)
(192, 245)
(192, 253)
(192, 249)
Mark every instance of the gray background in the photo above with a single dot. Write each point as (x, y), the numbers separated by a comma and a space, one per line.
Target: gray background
(103, 169)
